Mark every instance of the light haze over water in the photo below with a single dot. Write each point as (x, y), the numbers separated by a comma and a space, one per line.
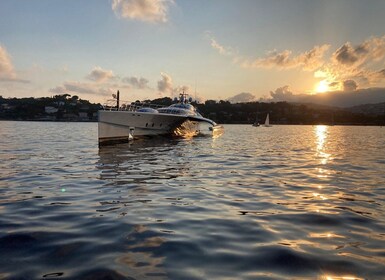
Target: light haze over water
(285, 202)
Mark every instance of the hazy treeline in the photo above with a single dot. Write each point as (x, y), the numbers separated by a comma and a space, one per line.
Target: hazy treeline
(69, 107)
(63, 107)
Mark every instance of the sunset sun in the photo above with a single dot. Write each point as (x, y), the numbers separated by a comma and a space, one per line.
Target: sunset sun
(322, 87)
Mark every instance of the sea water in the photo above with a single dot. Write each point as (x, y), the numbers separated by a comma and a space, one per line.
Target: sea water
(284, 202)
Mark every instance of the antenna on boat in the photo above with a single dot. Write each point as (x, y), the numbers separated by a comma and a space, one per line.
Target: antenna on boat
(183, 97)
(117, 101)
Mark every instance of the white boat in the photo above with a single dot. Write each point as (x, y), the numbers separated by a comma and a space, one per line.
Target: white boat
(267, 121)
(123, 123)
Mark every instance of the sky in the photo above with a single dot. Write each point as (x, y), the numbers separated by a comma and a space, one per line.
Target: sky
(232, 50)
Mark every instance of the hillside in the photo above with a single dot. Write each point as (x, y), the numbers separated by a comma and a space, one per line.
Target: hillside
(67, 108)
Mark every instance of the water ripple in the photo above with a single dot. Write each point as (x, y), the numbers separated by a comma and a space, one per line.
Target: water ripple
(286, 202)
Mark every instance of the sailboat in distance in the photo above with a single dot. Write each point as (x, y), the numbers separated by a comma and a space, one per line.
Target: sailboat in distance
(256, 123)
(267, 121)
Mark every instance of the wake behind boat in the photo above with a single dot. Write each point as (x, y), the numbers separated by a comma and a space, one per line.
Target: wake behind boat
(123, 123)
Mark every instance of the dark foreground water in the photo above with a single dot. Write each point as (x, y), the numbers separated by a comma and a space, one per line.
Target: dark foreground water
(286, 202)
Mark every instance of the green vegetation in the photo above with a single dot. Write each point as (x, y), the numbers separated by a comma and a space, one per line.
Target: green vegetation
(56, 108)
(71, 108)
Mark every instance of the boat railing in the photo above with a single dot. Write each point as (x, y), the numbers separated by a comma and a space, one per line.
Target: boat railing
(110, 105)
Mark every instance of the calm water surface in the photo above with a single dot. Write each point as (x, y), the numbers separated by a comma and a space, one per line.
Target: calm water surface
(286, 202)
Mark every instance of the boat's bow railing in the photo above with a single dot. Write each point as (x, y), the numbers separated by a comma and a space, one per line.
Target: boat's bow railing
(110, 105)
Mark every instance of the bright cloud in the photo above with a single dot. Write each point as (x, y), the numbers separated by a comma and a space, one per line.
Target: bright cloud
(165, 84)
(308, 61)
(282, 94)
(352, 66)
(242, 98)
(6, 68)
(139, 83)
(7, 71)
(348, 68)
(356, 64)
(221, 49)
(143, 10)
(100, 75)
(372, 49)
(180, 89)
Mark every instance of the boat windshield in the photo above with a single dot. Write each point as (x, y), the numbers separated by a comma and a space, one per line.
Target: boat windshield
(183, 106)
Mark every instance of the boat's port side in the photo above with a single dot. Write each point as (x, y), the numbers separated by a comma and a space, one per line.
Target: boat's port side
(112, 134)
(118, 125)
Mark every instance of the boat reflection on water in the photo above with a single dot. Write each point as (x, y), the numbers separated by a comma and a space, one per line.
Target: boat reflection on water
(139, 260)
(141, 160)
(134, 176)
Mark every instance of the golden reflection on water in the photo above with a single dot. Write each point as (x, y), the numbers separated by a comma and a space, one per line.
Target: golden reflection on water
(325, 235)
(328, 277)
(321, 140)
(321, 133)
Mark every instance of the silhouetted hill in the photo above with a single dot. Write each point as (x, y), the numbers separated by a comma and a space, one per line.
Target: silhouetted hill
(369, 109)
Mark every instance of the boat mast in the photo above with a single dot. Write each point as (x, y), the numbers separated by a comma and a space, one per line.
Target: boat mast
(117, 101)
(183, 97)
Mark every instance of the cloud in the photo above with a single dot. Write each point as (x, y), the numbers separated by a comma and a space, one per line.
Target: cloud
(7, 71)
(242, 98)
(165, 84)
(58, 90)
(153, 11)
(349, 85)
(348, 62)
(356, 62)
(180, 89)
(348, 55)
(6, 68)
(99, 75)
(79, 87)
(308, 61)
(221, 49)
(103, 82)
(282, 94)
(139, 83)
(74, 87)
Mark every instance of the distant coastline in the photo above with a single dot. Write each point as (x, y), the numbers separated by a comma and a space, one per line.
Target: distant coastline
(67, 108)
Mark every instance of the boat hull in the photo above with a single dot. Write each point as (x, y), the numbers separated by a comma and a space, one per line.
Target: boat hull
(121, 126)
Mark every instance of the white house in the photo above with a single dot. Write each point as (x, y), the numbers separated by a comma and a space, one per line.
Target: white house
(50, 109)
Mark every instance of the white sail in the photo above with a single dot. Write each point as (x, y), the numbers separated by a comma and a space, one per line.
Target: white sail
(267, 121)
